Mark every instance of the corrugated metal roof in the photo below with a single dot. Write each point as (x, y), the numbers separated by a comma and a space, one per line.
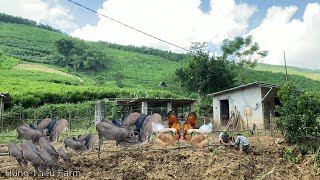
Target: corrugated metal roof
(5, 96)
(129, 102)
(260, 84)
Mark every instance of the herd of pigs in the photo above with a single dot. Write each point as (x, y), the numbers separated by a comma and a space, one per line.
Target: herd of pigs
(136, 129)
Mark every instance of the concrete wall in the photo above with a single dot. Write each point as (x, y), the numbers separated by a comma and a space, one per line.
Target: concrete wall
(245, 100)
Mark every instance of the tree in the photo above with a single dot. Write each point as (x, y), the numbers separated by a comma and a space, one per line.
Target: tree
(79, 56)
(243, 52)
(299, 113)
(199, 46)
(99, 80)
(65, 46)
(119, 79)
(95, 60)
(206, 75)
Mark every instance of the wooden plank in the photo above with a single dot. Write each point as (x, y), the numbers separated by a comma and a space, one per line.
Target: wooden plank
(4, 154)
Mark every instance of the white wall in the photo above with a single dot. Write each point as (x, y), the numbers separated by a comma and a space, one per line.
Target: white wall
(243, 100)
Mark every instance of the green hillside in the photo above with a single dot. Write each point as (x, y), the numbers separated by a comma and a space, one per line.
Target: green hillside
(32, 88)
(309, 73)
(136, 69)
(28, 70)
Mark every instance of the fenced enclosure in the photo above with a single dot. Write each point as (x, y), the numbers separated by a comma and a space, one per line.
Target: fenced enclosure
(82, 117)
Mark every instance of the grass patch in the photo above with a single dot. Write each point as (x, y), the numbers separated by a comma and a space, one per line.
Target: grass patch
(9, 136)
(216, 151)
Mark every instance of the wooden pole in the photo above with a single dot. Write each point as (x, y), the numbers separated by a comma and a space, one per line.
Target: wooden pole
(20, 116)
(272, 126)
(247, 119)
(69, 121)
(1, 111)
(35, 115)
(285, 65)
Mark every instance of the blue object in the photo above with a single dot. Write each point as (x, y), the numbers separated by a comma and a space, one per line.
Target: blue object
(32, 126)
(116, 122)
(50, 126)
(140, 121)
(39, 121)
(87, 140)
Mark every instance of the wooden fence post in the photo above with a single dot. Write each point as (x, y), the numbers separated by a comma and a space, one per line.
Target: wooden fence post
(1, 112)
(99, 152)
(99, 112)
(69, 121)
(272, 126)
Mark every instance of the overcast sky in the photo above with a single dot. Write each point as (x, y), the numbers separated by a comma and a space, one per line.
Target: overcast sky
(292, 26)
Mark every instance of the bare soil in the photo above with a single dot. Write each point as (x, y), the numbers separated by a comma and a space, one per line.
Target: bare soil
(36, 67)
(264, 161)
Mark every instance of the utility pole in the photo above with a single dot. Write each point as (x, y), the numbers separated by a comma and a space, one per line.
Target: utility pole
(285, 65)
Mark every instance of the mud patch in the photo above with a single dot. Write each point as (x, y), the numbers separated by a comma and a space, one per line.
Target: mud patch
(116, 162)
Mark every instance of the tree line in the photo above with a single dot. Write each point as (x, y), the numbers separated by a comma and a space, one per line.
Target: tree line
(18, 20)
(149, 50)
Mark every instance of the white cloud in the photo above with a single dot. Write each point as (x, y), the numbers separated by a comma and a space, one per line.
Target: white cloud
(40, 11)
(178, 21)
(278, 32)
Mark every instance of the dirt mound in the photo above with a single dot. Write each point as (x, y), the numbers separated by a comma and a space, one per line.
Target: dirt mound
(215, 162)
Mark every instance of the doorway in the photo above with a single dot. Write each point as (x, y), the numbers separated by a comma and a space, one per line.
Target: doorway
(277, 103)
(224, 112)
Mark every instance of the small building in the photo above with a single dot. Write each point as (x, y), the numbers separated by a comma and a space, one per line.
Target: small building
(158, 105)
(254, 102)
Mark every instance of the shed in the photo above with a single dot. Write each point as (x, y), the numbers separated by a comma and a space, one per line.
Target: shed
(3, 98)
(158, 105)
(254, 102)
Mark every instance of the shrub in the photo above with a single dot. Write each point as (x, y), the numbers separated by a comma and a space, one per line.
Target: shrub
(299, 113)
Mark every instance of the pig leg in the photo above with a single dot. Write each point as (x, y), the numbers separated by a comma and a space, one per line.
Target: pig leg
(24, 162)
(38, 167)
(54, 169)
(20, 162)
(65, 146)
(100, 140)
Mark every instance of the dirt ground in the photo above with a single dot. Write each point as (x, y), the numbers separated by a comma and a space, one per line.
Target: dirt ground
(264, 161)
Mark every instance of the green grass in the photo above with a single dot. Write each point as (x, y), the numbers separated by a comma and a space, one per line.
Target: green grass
(91, 130)
(216, 151)
(9, 136)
